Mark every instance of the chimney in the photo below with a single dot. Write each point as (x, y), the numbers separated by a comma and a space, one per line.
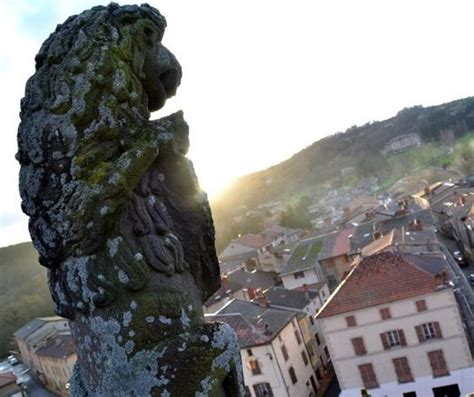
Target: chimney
(267, 330)
(415, 225)
(225, 282)
(261, 298)
(427, 191)
(462, 201)
(376, 234)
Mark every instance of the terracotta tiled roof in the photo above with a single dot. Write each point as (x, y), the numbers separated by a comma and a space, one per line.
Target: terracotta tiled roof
(379, 279)
(7, 378)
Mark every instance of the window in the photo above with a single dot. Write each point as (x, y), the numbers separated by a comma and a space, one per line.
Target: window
(351, 321)
(263, 390)
(359, 347)
(368, 376)
(421, 305)
(428, 331)
(298, 275)
(311, 320)
(284, 352)
(402, 370)
(438, 364)
(393, 338)
(249, 352)
(292, 373)
(298, 337)
(316, 336)
(305, 358)
(254, 367)
(385, 313)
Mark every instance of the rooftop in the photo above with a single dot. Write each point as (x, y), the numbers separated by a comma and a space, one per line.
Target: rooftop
(304, 256)
(33, 325)
(337, 244)
(59, 346)
(381, 279)
(253, 324)
(254, 279)
(293, 299)
(7, 378)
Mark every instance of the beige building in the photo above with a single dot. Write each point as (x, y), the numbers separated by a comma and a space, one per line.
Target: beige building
(33, 336)
(393, 327)
(57, 360)
(276, 347)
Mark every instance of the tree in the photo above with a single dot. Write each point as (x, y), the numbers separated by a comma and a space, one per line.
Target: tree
(464, 158)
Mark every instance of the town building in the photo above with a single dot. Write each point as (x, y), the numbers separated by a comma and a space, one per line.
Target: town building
(57, 358)
(275, 347)
(240, 284)
(393, 328)
(335, 257)
(303, 267)
(33, 336)
(308, 302)
(401, 143)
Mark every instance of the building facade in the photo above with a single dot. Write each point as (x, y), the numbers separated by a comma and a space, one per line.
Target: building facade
(395, 339)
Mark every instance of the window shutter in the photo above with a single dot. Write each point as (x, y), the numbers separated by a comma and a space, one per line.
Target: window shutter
(384, 339)
(419, 333)
(359, 347)
(437, 328)
(403, 340)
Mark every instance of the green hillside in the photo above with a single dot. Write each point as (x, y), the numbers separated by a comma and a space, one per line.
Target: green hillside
(319, 165)
(24, 291)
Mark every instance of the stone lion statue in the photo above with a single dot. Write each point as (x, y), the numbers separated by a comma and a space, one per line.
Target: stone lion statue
(116, 212)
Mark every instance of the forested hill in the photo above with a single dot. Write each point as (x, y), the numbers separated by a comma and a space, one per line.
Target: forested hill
(358, 146)
(24, 291)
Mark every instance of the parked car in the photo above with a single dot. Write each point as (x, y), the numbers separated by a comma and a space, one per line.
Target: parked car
(12, 360)
(459, 258)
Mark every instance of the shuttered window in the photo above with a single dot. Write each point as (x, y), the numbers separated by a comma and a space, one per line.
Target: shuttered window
(368, 376)
(402, 370)
(421, 305)
(292, 373)
(393, 338)
(428, 331)
(263, 390)
(305, 358)
(385, 313)
(438, 363)
(351, 321)
(284, 351)
(359, 347)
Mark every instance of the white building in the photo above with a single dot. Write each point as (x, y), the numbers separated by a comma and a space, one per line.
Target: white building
(394, 328)
(303, 267)
(276, 360)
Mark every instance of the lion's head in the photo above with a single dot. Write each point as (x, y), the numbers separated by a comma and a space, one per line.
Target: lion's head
(98, 77)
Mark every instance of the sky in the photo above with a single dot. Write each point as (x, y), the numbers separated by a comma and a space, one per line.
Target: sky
(262, 79)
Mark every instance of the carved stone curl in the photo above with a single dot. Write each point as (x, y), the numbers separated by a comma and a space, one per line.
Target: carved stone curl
(116, 212)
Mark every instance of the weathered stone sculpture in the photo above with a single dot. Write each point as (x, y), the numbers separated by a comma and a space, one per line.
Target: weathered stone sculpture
(116, 212)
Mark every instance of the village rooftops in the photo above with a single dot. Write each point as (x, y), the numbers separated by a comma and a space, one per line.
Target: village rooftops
(58, 346)
(254, 241)
(254, 279)
(33, 325)
(403, 240)
(385, 278)
(304, 256)
(293, 299)
(337, 244)
(253, 324)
